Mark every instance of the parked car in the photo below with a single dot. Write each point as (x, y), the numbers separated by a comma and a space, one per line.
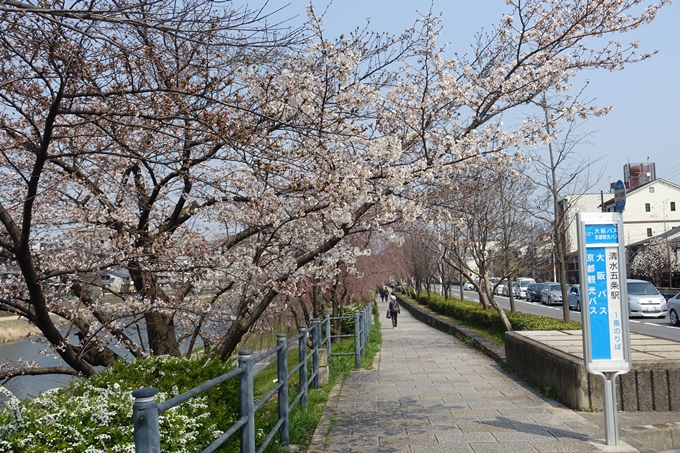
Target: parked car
(520, 285)
(534, 291)
(468, 286)
(574, 298)
(645, 301)
(674, 309)
(552, 294)
(502, 288)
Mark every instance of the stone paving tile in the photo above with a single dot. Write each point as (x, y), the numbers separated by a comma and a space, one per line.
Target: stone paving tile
(562, 446)
(439, 396)
(506, 447)
(474, 413)
(350, 448)
(521, 436)
(448, 448)
(455, 435)
(484, 427)
(419, 429)
(416, 439)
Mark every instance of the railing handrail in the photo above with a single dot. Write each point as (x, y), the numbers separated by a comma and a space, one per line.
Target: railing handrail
(146, 409)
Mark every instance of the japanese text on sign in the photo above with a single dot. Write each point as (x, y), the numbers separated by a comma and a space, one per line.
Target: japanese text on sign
(601, 234)
(604, 302)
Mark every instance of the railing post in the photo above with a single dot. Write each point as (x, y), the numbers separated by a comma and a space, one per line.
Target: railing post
(357, 340)
(316, 344)
(145, 420)
(363, 333)
(328, 336)
(246, 401)
(369, 321)
(302, 348)
(282, 372)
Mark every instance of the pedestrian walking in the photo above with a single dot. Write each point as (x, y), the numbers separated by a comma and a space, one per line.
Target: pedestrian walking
(394, 310)
(382, 295)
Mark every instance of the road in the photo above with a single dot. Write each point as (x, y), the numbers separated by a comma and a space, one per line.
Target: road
(660, 328)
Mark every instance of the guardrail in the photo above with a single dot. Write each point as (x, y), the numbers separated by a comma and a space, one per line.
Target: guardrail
(146, 410)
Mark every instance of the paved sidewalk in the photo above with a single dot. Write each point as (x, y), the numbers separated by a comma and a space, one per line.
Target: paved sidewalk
(431, 393)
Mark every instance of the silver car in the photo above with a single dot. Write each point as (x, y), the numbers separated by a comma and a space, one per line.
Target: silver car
(674, 309)
(552, 294)
(645, 301)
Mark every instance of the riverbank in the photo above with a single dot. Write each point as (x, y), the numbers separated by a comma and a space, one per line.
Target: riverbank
(13, 328)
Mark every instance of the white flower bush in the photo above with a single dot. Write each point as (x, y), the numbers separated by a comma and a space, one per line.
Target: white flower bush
(95, 415)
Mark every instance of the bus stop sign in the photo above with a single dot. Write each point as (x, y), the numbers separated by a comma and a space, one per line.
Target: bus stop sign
(619, 195)
(604, 295)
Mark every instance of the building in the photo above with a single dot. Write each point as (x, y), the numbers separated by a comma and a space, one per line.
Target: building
(114, 280)
(651, 210)
(571, 205)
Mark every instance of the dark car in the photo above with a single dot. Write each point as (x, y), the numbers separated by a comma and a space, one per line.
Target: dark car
(534, 292)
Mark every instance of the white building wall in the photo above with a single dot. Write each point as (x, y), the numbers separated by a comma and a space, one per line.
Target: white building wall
(638, 223)
(636, 219)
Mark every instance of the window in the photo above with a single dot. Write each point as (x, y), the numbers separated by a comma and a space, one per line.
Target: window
(651, 190)
(649, 232)
(647, 207)
(672, 205)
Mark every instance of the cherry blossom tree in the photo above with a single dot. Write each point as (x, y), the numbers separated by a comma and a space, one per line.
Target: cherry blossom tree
(560, 170)
(487, 231)
(653, 260)
(222, 162)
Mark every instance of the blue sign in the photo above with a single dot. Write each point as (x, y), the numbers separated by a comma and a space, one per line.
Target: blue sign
(604, 300)
(601, 234)
(606, 338)
(619, 195)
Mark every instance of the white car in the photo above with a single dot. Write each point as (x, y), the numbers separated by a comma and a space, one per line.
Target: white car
(502, 288)
(674, 309)
(520, 285)
(468, 286)
(645, 301)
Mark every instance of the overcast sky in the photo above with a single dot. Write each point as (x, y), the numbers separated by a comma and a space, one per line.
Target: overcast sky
(645, 120)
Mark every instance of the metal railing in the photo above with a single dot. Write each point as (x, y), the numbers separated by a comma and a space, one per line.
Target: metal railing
(146, 410)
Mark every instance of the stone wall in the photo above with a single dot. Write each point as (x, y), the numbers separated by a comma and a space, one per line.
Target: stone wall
(651, 385)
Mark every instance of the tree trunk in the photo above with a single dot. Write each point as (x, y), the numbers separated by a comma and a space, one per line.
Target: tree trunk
(318, 301)
(501, 313)
(511, 293)
(161, 333)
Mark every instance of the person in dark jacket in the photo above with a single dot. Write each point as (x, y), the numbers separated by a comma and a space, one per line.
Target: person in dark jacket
(394, 310)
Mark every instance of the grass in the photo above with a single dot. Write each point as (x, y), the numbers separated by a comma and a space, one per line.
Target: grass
(486, 322)
(12, 329)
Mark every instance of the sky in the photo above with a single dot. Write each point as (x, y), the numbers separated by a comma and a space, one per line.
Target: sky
(644, 124)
